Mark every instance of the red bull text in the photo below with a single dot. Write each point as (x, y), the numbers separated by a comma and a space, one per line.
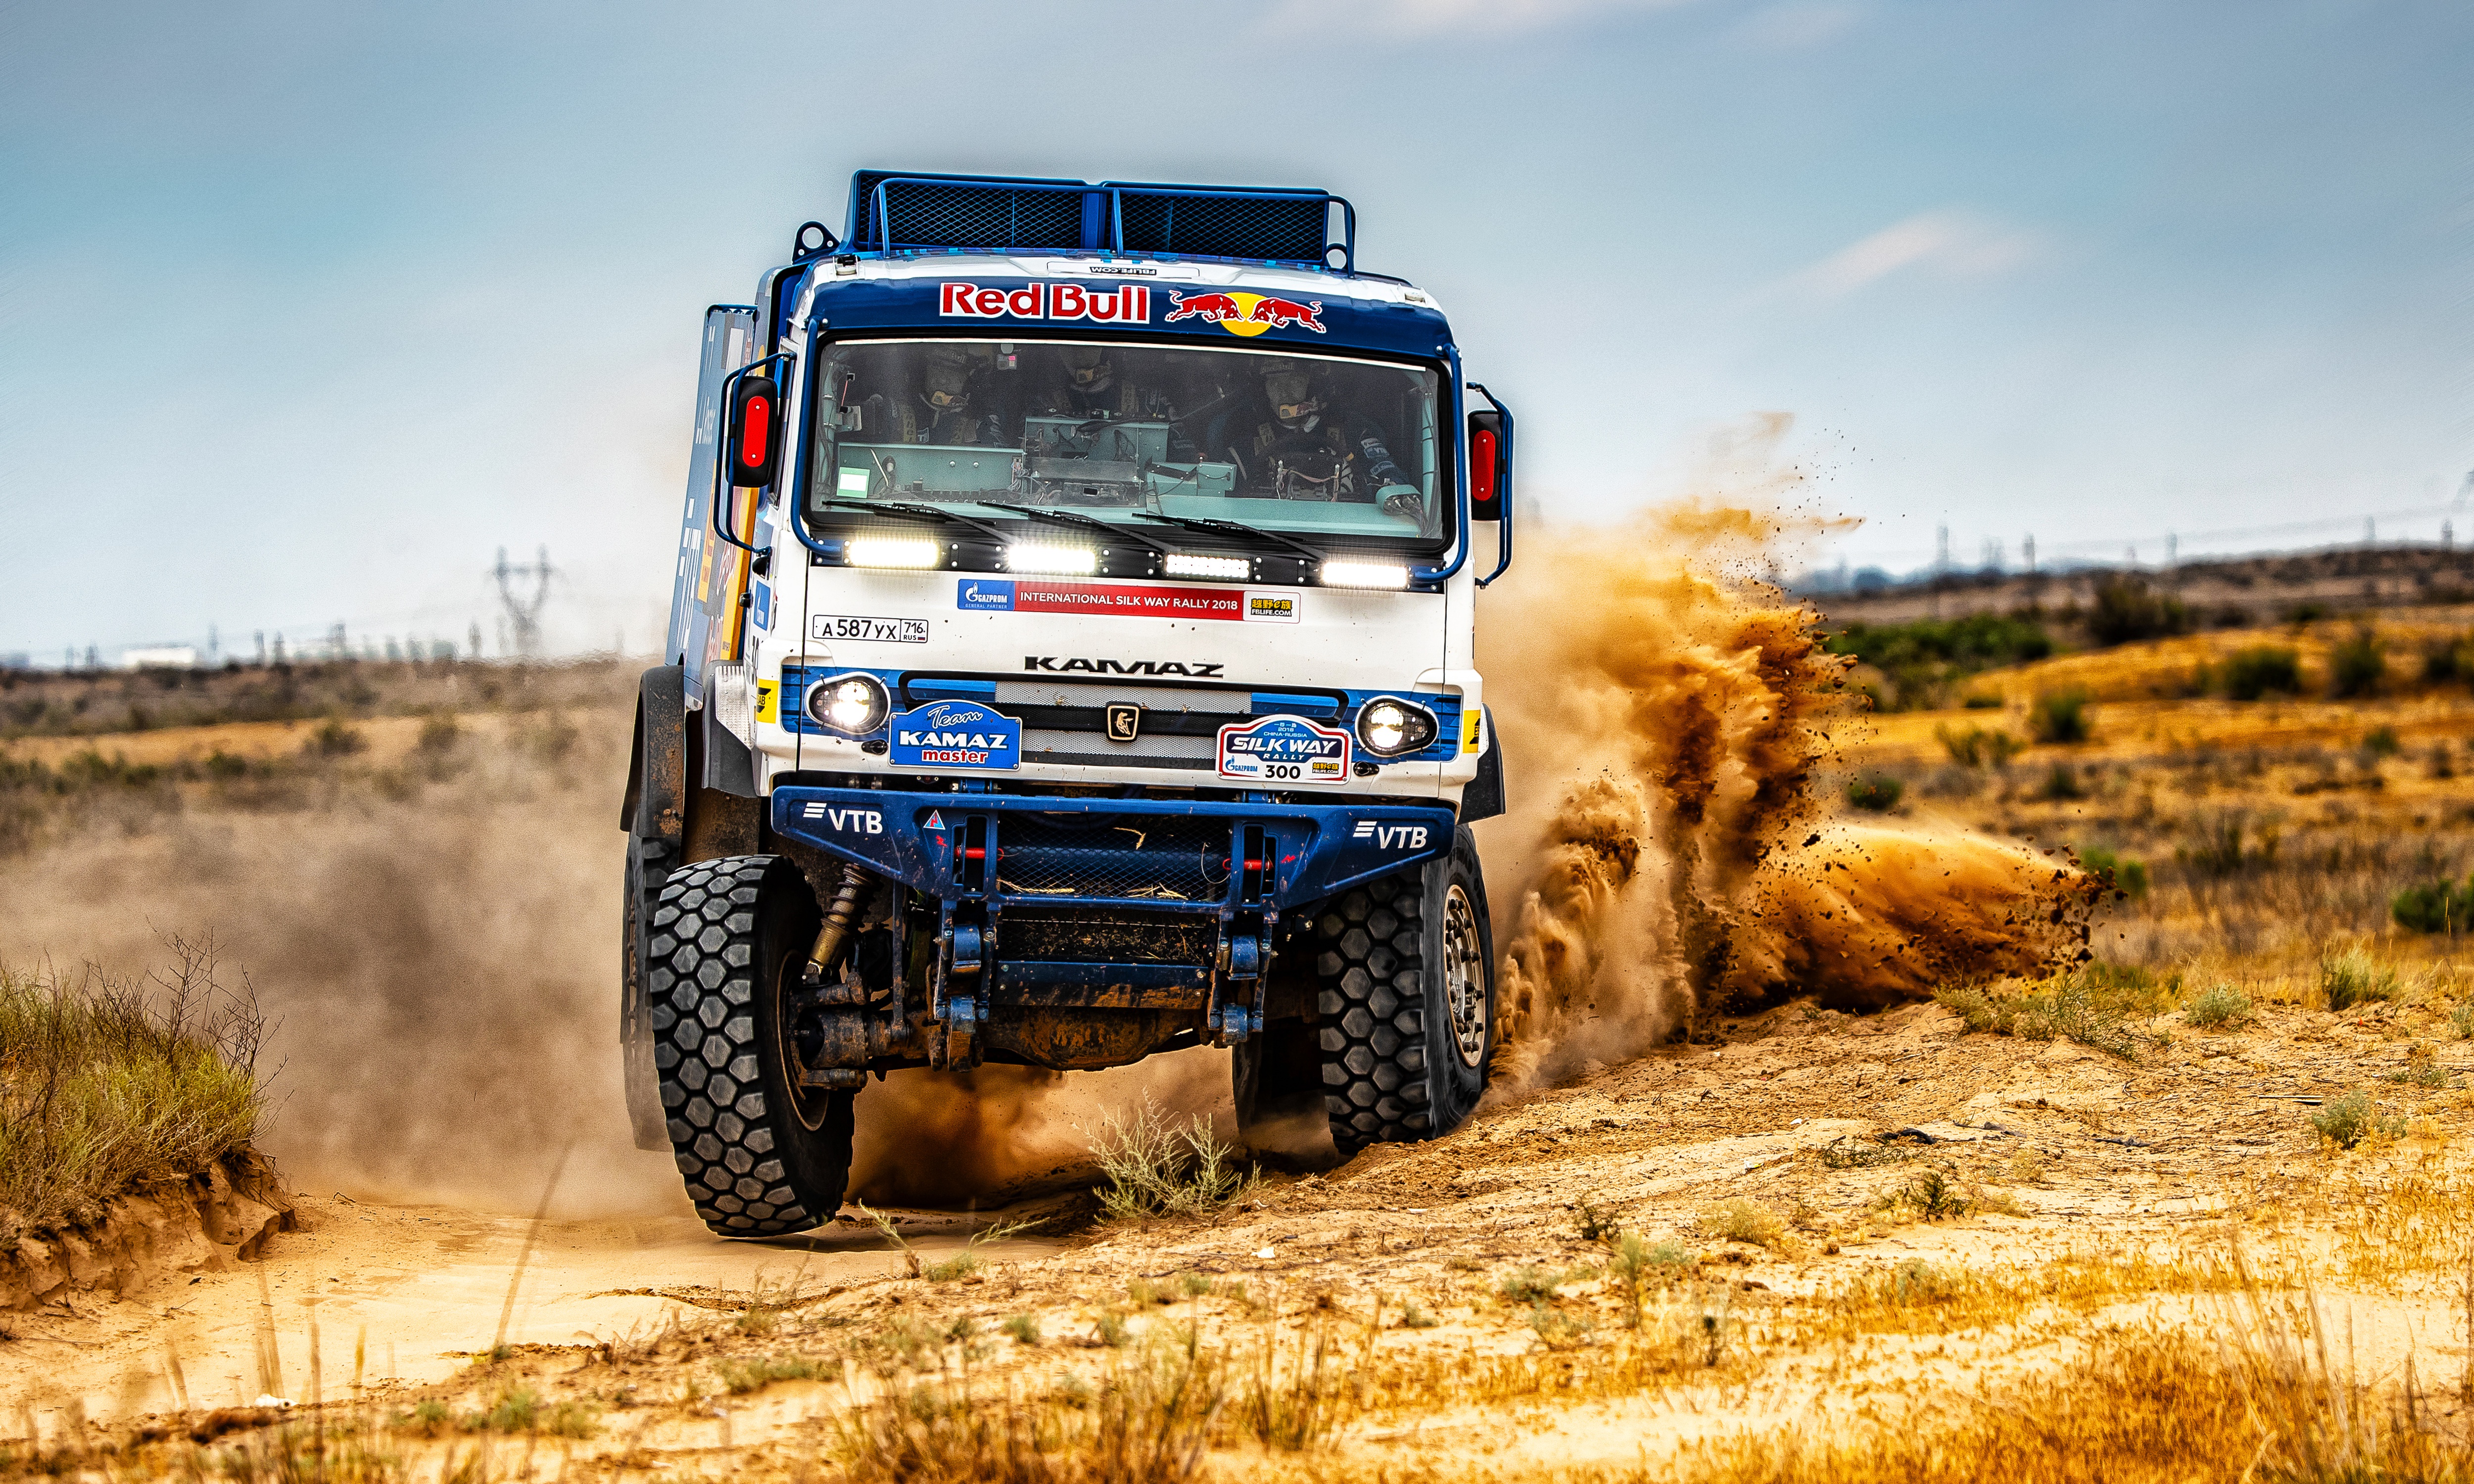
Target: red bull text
(1130, 304)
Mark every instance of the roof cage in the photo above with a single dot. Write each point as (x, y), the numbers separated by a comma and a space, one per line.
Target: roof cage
(892, 212)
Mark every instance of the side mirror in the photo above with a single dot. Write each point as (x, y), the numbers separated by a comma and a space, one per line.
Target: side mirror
(1489, 459)
(753, 452)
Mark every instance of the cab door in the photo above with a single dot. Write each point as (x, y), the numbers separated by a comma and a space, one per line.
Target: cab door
(705, 590)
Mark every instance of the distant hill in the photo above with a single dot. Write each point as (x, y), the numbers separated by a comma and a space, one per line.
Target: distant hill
(2228, 592)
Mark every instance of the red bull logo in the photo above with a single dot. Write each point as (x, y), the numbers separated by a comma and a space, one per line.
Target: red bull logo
(1130, 304)
(1245, 314)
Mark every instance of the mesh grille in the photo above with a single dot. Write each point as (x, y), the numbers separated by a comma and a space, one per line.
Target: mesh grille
(1145, 857)
(1155, 698)
(1026, 934)
(942, 215)
(1149, 744)
(1291, 227)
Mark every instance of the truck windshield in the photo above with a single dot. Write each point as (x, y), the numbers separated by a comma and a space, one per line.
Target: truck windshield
(1306, 445)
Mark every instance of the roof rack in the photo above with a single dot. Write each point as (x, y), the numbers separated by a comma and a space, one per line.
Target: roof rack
(891, 211)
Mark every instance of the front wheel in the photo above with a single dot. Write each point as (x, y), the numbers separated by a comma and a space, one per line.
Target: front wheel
(762, 1156)
(1407, 1001)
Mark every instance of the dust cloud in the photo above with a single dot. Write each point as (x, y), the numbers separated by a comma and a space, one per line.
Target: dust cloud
(1662, 711)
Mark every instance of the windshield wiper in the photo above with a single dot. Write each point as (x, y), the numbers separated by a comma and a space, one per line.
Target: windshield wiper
(920, 512)
(1070, 519)
(1216, 527)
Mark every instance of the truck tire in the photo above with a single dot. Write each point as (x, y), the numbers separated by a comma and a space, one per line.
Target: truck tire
(647, 865)
(762, 1156)
(1407, 1001)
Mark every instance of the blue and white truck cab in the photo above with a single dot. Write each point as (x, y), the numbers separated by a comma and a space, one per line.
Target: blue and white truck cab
(1071, 658)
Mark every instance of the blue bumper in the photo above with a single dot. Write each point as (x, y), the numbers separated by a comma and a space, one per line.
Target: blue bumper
(1162, 855)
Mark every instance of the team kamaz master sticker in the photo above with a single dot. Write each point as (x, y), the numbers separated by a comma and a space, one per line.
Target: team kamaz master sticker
(955, 734)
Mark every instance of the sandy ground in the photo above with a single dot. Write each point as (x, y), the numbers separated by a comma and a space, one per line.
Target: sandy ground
(2200, 1141)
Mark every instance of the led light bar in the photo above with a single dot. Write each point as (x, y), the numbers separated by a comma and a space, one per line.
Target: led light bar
(1180, 563)
(1051, 557)
(1364, 574)
(896, 551)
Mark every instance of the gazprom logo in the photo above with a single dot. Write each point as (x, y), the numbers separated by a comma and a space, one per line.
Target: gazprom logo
(984, 594)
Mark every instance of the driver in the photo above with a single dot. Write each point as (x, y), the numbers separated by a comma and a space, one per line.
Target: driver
(947, 386)
(1304, 434)
(1092, 385)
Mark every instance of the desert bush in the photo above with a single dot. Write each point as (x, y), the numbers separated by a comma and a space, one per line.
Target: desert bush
(1737, 1219)
(2434, 908)
(2450, 659)
(2356, 664)
(334, 738)
(2249, 674)
(2220, 1007)
(1875, 793)
(2228, 843)
(2060, 716)
(2127, 609)
(1978, 746)
(2381, 742)
(108, 1083)
(2353, 978)
(2073, 1006)
(1158, 1166)
(741, 1377)
(2117, 872)
(2346, 1121)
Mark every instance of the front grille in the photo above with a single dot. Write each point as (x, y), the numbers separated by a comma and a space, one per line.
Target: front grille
(1231, 704)
(1150, 747)
(1026, 934)
(1131, 857)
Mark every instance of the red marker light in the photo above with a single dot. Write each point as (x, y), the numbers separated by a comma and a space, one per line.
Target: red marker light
(754, 431)
(1482, 457)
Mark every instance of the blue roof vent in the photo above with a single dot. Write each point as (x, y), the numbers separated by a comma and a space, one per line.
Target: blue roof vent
(894, 212)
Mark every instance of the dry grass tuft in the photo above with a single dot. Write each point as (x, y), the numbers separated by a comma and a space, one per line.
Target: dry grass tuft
(105, 1085)
(1159, 1166)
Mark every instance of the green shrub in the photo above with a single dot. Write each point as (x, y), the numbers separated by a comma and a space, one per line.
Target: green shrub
(2451, 659)
(1922, 658)
(2249, 674)
(2353, 978)
(2127, 609)
(2381, 742)
(2220, 1007)
(2357, 664)
(2434, 908)
(1875, 793)
(1978, 746)
(2346, 1121)
(1979, 701)
(2060, 716)
(2117, 872)
(2460, 1019)
(2086, 1006)
(1156, 1167)
(2061, 782)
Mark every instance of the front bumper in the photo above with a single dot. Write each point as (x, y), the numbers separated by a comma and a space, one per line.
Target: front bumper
(1182, 897)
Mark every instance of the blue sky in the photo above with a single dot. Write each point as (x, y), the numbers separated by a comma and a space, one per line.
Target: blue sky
(307, 310)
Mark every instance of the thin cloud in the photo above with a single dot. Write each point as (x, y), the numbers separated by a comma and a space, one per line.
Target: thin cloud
(1798, 27)
(1948, 243)
(1448, 17)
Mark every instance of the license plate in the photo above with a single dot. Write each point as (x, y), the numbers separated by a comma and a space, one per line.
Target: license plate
(879, 631)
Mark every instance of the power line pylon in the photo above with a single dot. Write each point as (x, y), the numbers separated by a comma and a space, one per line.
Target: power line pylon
(524, 613)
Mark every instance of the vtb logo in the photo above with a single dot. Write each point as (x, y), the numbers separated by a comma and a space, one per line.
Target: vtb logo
(866, 822)
(1388, 836)
(1245, 314)
(1125, 721)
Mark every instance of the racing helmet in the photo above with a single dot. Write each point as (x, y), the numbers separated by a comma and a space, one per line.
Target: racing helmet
(1089, 369)
(946, 386)
(1295, 401)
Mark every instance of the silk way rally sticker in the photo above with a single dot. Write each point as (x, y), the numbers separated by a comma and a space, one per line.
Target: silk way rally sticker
(1283, 749)
(955, 734)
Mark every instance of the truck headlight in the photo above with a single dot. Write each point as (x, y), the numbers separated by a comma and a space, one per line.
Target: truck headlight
(1387, 728)
(851, 703)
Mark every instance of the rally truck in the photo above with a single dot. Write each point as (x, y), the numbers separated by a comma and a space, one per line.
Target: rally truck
(1070, 659)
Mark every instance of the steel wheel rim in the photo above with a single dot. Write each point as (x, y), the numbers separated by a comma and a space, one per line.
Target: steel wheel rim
(809, 1105)
(1463, 977)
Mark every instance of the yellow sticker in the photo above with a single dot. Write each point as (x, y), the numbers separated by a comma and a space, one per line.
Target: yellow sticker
(766, 693)
(1468, 729)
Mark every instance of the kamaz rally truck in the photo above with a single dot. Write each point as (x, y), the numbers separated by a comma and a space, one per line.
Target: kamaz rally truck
(1070, 659)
